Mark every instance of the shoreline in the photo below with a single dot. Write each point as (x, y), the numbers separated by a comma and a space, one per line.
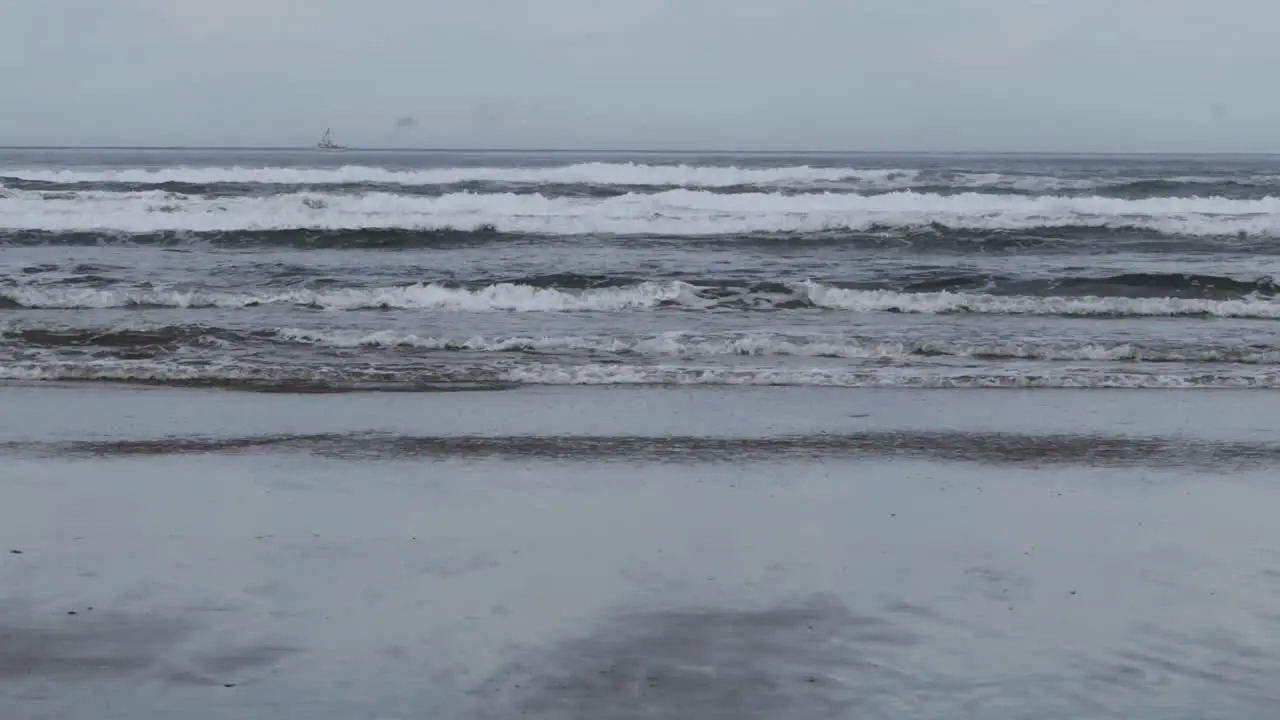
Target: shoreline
(48, 412)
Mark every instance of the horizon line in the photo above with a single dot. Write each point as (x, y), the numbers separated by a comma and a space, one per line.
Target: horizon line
(639, 151)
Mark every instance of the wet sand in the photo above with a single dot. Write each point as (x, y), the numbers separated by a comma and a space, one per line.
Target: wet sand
(636, 553)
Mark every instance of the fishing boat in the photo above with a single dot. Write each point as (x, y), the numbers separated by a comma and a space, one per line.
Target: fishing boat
(326, 142)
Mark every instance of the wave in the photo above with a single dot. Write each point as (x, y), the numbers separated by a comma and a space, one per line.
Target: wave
(669, 213)
(649, 295)
(1087, 306)
(240, 377)
(922, 239)
(611, 374)
(998, 185)
(342, 239)
(294, 379)
(222, 179)
(580, 173)
(603, 180)
(499, 297)
(770, 345)
(134, 339)
(120, 338)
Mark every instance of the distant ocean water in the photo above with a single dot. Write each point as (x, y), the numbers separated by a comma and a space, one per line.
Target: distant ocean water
(305, 270)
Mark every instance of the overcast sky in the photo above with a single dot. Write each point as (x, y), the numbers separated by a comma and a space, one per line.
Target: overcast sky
(1062, 75)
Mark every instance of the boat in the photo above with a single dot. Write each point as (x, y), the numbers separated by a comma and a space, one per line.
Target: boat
(326, 142)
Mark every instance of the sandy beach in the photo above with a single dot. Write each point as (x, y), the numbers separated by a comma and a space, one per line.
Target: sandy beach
(579, 553)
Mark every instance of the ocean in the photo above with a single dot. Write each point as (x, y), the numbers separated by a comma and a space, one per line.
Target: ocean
(279, 270)
(706, 436)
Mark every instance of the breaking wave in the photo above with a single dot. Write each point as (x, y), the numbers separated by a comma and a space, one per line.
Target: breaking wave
(680, 212)
(767, 345)
(651, 295)
(580, 173)
(609, 374)
(129, 339)
(617, 177)
(286, 379)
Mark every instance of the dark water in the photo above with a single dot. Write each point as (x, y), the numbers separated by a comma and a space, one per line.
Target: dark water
(301, 270)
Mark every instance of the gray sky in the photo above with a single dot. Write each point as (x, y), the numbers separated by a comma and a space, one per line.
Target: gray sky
(1068, 75)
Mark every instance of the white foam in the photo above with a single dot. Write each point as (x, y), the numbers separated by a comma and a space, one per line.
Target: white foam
(216, 373)
(679, 344)
(604, 174)
(622, 174)
(500, 297)
(609, 374)
(614, 374)
(674, 212)
(949, 302)
(509, 297)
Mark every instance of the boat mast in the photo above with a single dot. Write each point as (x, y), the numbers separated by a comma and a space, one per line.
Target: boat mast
(326, 142)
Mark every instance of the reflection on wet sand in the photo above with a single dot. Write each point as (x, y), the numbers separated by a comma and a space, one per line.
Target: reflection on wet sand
(998, 448)
(816, 659)
(809, 660)
(84, 645)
